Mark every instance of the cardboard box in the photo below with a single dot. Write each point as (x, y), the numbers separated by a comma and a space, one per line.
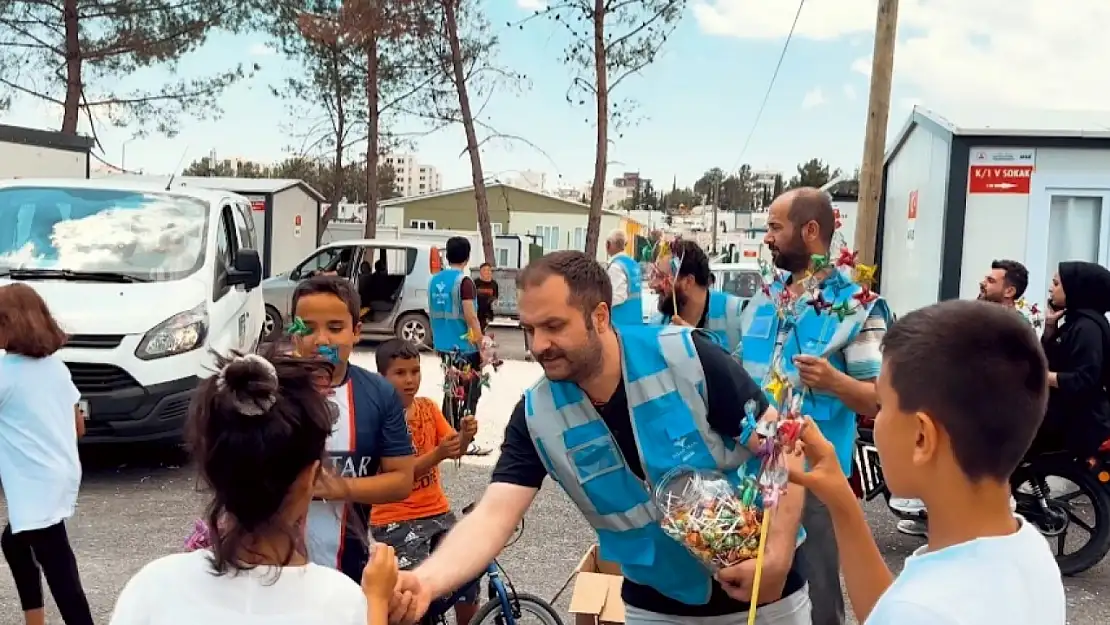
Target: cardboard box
(596, 599)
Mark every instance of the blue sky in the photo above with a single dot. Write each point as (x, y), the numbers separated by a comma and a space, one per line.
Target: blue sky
(697, 103)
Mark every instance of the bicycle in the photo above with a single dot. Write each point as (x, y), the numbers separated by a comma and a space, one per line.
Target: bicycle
(504, 606)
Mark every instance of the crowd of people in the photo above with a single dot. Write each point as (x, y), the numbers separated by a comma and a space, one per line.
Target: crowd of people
(326, 496)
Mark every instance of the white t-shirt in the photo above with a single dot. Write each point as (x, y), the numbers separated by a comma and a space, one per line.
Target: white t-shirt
(39, 466)
(180, 589)
(619, 279)
(1007, 579)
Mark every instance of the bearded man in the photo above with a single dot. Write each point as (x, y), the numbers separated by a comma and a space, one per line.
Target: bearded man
(618, 407)
(681, 278)
(836, 357)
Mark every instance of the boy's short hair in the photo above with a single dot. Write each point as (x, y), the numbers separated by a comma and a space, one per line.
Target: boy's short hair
(458, 250)
(330, 285)
(978, 370)
(394, 349)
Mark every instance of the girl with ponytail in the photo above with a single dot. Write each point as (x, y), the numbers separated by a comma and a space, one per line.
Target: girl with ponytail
(257, 430)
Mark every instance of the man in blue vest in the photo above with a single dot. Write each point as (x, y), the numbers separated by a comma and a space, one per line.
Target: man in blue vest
(456, 331)
(615, 410)
(681, 277)
(624, 274)
(838, 359)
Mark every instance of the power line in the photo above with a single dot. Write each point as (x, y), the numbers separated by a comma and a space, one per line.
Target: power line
(770, 86)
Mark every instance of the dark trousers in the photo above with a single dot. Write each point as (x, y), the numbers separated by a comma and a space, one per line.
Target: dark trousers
(455, 407)
(821, 563)
(33, 554)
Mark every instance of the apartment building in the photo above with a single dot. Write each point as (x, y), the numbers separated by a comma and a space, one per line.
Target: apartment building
(413, 178)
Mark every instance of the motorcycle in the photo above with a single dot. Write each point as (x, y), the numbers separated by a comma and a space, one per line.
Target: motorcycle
(1052, 512)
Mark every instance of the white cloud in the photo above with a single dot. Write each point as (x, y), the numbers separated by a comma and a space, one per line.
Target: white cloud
(960, 56)
(849, 92)
(260, 49)
(532, 5)
(813, 98)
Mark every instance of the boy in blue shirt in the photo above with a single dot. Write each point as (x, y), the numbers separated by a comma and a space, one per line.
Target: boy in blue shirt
(962, 393)
(370, 448)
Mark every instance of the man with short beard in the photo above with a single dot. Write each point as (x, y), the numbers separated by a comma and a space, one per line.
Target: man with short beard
(836, 357)
(1005, 284)
(616, 410)
(681, 278)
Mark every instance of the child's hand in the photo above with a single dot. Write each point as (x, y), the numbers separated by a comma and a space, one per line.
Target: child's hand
(468, 426)
(450, 447)
(824, 478)
(380, 575)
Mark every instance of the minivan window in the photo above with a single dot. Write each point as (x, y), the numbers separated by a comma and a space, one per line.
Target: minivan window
(244, 223)
(151, 236)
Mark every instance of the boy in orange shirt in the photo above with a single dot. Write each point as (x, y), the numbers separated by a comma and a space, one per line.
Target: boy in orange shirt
(408, 526)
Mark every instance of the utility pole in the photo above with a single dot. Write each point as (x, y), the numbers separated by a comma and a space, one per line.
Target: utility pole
(878, 114)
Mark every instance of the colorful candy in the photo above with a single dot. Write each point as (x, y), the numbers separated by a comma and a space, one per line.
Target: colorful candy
(717, 522)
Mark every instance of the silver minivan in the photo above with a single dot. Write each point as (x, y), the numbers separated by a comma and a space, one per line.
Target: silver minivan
(390, 276)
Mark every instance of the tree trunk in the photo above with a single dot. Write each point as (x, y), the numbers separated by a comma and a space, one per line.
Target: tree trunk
(601, 156)
(372, 122)
(481, 199)
(337, 174)
(73, 68)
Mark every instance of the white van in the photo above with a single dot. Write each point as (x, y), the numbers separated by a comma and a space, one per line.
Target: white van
(147, 283)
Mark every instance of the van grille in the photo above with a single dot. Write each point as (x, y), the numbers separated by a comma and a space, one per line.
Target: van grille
(99, 378)
(94, 341)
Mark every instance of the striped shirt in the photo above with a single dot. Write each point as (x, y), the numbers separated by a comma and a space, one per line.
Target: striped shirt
(862, 356)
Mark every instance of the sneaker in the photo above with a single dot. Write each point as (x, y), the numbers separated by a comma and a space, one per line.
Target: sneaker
(913, 528)
(1013, 504)
(907, 506)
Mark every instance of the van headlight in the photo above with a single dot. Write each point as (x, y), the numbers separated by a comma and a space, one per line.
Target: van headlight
(180, 333)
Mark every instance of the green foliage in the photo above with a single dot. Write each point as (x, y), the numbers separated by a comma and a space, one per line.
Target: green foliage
(812, 173)
(115, 39)
(318, 173)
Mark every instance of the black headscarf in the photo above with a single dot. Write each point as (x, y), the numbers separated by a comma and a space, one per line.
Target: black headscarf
(1086, 286)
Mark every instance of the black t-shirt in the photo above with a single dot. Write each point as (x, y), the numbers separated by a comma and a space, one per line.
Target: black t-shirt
(728, 387)
(487, 293)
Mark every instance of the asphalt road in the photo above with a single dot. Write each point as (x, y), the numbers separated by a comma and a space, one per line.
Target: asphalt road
(509, 337)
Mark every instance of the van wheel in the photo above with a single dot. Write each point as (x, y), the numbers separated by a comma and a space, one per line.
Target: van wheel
(271, 325)
(414, 328)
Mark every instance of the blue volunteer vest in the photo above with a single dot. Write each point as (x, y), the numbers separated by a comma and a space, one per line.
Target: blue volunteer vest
(631, 310)
(722, 322)
(816, 334)
(665, 384)
(445, 305)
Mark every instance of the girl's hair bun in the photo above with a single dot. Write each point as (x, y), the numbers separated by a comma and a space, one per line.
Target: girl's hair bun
(250, 382)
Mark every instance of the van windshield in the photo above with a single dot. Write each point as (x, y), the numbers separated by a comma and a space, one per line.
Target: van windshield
(147, 236)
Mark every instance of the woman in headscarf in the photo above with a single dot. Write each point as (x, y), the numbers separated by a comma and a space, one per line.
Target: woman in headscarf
(1076, 342)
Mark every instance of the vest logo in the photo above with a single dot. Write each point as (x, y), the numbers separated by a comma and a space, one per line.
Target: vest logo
(683, 449)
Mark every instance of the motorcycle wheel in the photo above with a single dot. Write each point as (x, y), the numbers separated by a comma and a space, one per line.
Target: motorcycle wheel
(1088, 485)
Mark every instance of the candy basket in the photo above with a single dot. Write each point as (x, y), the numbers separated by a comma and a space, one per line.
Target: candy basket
(718, 523)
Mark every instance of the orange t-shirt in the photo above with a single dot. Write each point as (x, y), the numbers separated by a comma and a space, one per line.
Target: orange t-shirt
(428, 427)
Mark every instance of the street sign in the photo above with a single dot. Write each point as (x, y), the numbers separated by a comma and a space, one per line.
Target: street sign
(1012, 179)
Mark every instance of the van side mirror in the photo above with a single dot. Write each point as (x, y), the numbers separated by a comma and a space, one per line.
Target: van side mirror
(247, 270)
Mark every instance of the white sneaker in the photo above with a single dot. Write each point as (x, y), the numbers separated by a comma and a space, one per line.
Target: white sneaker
(913, 528)
(1013, 504)
(907, 506)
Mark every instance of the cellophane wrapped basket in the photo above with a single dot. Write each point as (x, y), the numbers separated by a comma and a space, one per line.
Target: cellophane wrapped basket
(717, 522)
